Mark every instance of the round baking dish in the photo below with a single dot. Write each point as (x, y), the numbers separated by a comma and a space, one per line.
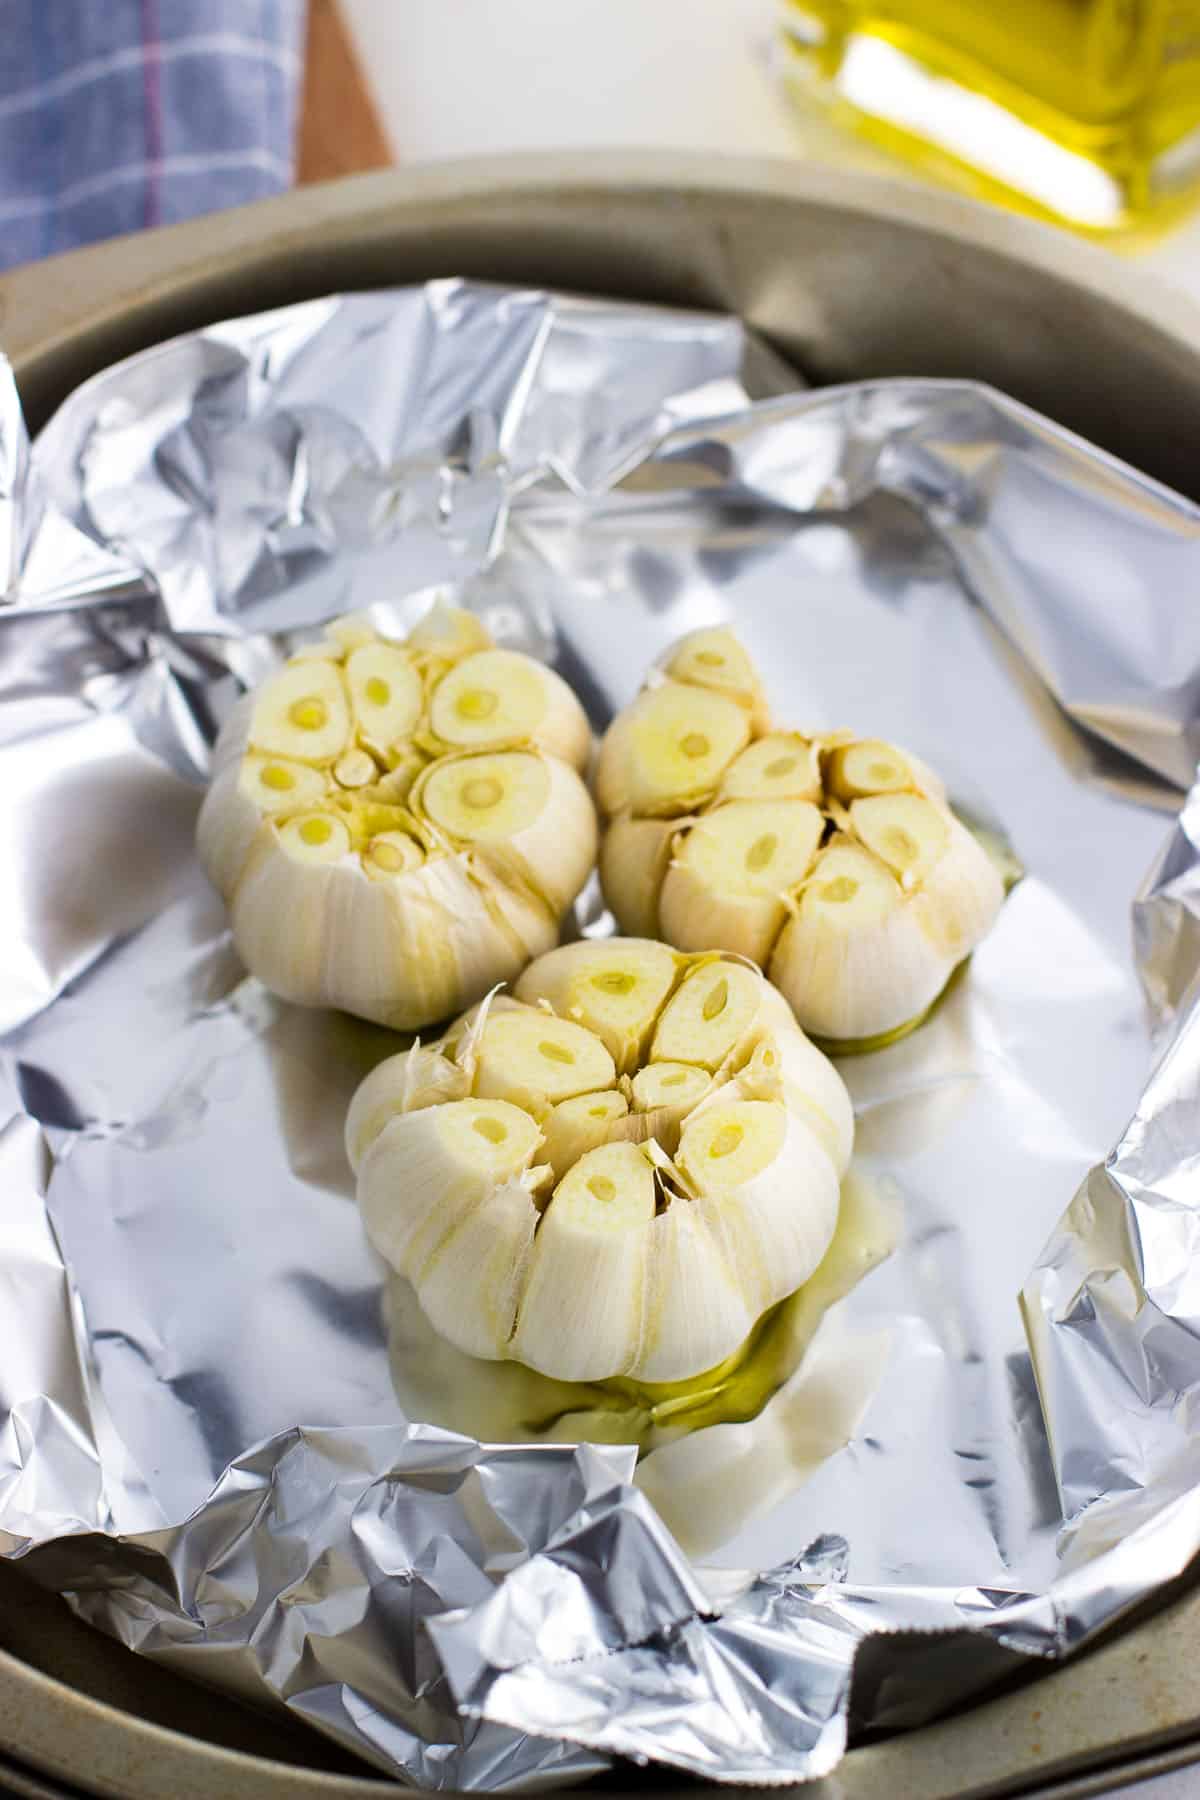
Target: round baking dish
(848, 277)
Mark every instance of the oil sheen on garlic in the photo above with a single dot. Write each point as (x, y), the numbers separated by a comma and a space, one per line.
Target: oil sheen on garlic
(616, 1172)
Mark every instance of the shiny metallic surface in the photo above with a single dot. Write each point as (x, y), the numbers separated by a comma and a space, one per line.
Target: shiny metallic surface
(202, 1442)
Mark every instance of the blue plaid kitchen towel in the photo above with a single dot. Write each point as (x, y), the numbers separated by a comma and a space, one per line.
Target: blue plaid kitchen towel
(119, 114)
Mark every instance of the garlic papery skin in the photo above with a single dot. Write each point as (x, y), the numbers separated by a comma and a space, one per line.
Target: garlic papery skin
(712, 657)
(635, 855)
(854, 958)
(717, 844)
(612, 1173)
(370, 862)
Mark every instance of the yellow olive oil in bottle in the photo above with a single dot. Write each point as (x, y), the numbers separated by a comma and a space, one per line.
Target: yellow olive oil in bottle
(1084, 110)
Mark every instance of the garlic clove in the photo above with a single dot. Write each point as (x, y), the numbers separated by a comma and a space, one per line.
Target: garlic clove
(781, 766)
(530, 1056)
(500, 697)
(767, 1190)
(868, 766)
(961, 897)
(428, 1170)
(696, 1313)
(228, 828)
(713, 658)
(386, 694)
(583, 1123)
(448, 632)
(581, 1316)
(905, 831)
(276, 785)
(675, 1084)
(727, 886)
(528, 814)
(668, 750)
(302, 714)
(616, 987)
(853, 961)
(710, 1016)
(634, 856)
(470, 1287)
(405, 1083)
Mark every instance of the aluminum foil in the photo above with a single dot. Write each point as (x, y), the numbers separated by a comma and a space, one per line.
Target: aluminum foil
(224, 1436)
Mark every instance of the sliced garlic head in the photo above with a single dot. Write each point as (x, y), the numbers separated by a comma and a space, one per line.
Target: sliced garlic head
(616, 1172)
(833, 862)
(397, 827)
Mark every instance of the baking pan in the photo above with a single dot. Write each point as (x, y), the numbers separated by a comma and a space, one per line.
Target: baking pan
(849, 277)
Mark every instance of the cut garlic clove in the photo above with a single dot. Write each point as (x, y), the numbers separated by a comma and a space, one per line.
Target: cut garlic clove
(868, 767)
(581, 1316)
(530, 1056)
(782, 766)
(390, 853)
(634, 855)
(355, 769)
(767, 1190)
(726, 886)
(668, 749)
(351, 630)
(501, 697)
(276, 785)
(529, 814)
(448, 631)
(669, 1084)
(427, 1171)
(905, 831)
(696, 1314)
(710, 1015)
(961, 898)
(470, 1287)
(815, 1092)
(485, 799)
(853, 962)
(302, 714)
(315, 838)
(405, 1083)
(616, 987)
(713, 658)
(576, 1126)
(386, 694)
(664, 1095)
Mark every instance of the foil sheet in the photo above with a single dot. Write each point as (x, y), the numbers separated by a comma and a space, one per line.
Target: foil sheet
(224, 1436)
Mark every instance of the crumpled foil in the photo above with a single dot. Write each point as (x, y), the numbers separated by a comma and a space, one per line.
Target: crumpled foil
(211, 1435)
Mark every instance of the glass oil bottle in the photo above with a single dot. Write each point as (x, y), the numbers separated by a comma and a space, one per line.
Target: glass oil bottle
(1086, 111)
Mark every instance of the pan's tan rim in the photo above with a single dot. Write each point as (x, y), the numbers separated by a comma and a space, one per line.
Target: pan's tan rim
(850, 277)
(59, 1731)
(848, 274)
(1129, 1707)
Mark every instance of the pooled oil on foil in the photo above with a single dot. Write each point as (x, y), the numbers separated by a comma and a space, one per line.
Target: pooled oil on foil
(224, 1435)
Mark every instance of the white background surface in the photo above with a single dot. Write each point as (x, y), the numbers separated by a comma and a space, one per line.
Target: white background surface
(476, 77)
